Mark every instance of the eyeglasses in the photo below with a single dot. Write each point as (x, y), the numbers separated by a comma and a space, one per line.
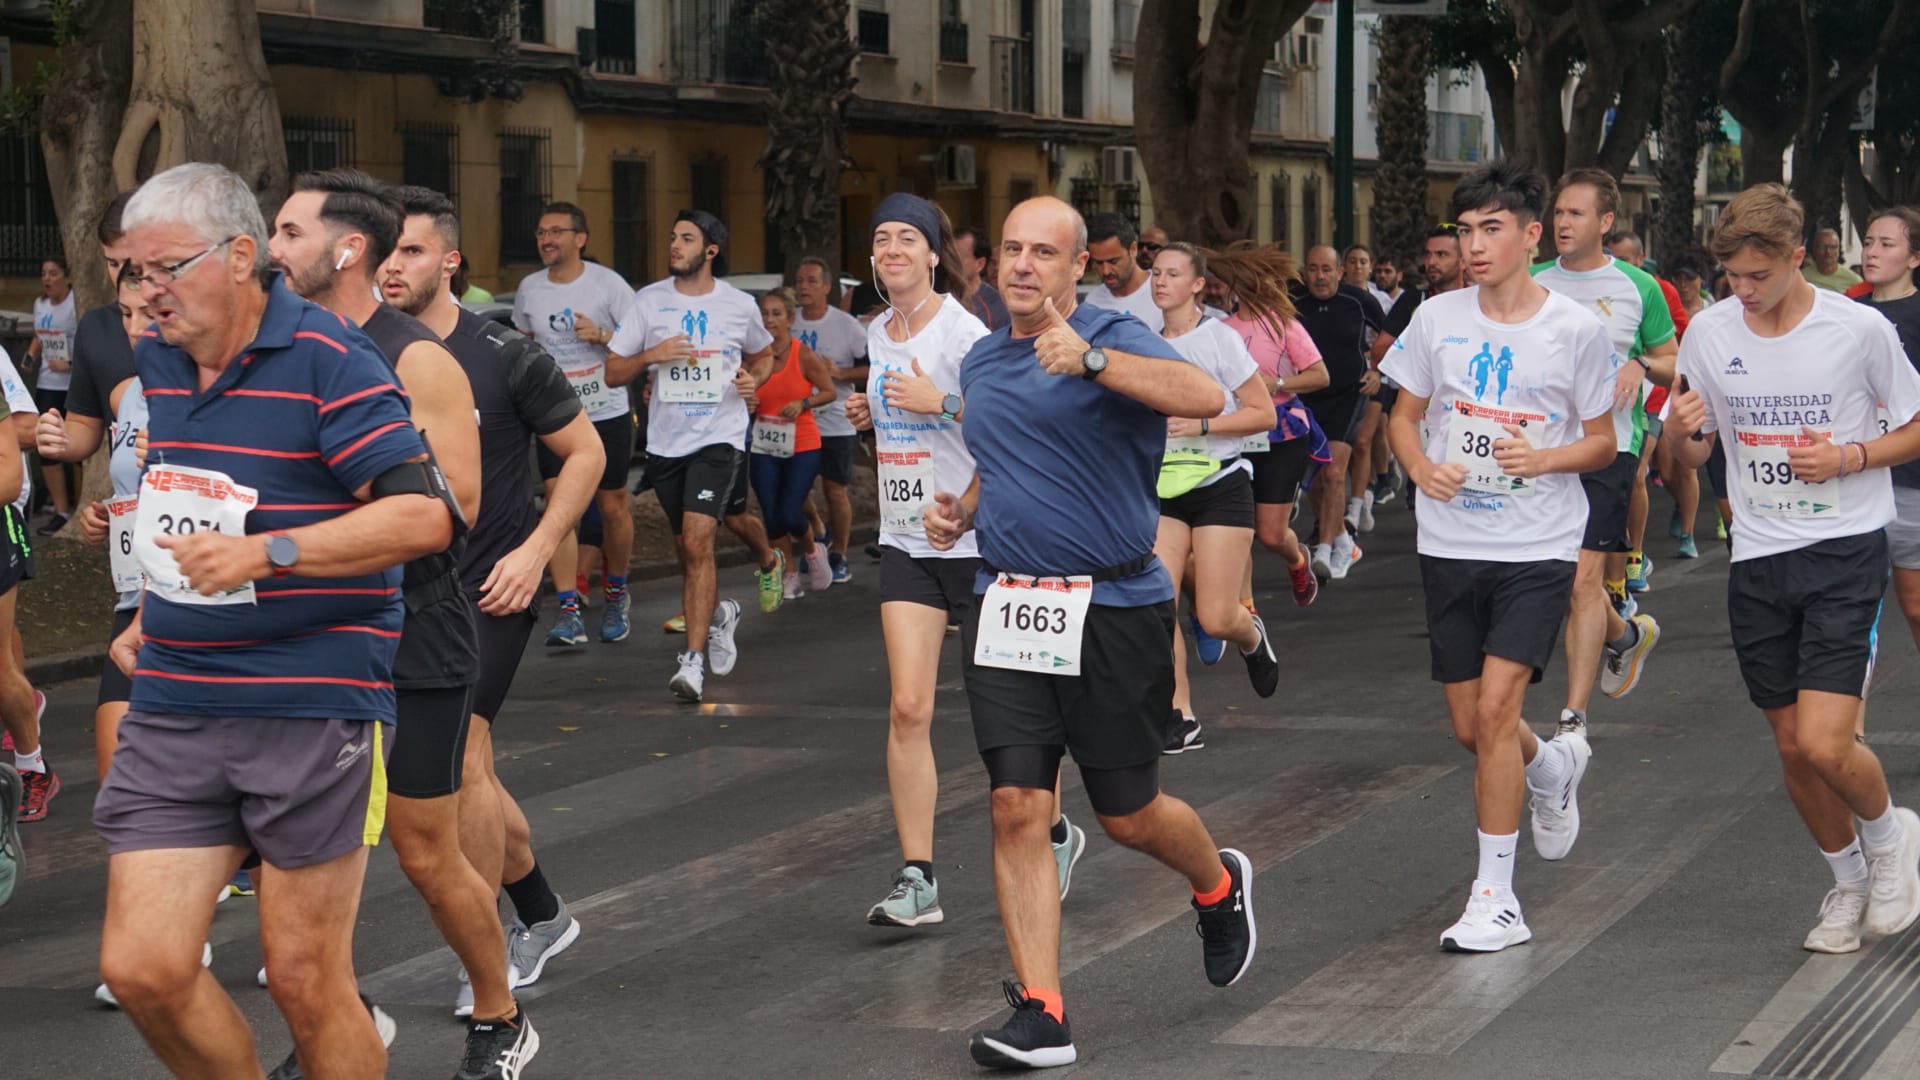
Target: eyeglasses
(554, 233)
(1146, 245)
(163, 276)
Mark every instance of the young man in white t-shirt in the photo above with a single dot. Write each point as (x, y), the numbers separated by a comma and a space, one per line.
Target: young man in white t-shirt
(1506, 391)
(1792, 377)
(841, 339)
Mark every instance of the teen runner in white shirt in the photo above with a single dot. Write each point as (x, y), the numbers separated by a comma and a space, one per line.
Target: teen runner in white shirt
(912, 403)
(1506, 394)
(842, 340)
(1789, 376)
(1206, 487)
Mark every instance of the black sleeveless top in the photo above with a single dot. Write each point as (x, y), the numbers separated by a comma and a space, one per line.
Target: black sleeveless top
(438, 643)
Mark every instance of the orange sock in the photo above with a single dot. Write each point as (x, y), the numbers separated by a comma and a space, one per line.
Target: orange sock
(1056, 1007)
(1301, 562)
(1219, 893)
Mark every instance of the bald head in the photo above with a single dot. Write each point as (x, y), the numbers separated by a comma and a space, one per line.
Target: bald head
(1043, 252)
(1322, 271)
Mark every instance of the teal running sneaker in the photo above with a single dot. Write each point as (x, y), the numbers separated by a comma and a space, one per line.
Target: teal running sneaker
(1687, 548)
(914, 901)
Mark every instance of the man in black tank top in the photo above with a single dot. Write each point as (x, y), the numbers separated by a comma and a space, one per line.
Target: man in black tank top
(521, 395)
(330, 237)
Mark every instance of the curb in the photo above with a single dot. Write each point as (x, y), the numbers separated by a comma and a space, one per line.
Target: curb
(87, 663)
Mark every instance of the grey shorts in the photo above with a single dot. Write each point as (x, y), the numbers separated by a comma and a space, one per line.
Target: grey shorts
(300, 792)
(1903, 532)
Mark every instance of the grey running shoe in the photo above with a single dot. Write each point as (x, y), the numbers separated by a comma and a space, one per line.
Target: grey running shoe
(1068, 853)
(722, 652)
(530, 947)
(914, 901)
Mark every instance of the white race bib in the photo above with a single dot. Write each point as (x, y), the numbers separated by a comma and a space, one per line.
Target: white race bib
(1257, 444)
(1472, 429)
(1188, 446)
(1767, 484)
(177, 500)
(773, 436)
(54, 345)
(693, 381)
(1882, 421)
(1034, 624)
(127, 575)
(906, 490)
(590, 388)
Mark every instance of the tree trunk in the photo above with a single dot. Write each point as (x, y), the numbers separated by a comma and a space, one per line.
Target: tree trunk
(810, 62)
(1193, 110)
(1400, 187)
(147, 86)
(79, 125)
(1687, 84)
(1763, 152)
(1817, 174)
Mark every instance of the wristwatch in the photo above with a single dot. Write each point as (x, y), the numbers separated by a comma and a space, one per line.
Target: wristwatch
(282, 553)
(1095, 362)
(950, 407)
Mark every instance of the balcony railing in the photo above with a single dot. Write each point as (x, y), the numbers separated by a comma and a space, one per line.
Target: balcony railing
(718, 41)
(1013, 75)
(953, 43)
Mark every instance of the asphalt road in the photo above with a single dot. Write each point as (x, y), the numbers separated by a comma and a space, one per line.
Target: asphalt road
(721, 860)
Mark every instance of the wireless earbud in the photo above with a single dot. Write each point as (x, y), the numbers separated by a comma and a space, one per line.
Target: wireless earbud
(341, 262)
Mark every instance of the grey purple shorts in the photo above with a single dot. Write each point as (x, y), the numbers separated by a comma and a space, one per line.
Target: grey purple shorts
(298, 791)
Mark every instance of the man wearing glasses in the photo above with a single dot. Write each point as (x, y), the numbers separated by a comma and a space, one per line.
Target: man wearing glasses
(1151, 241)
(1826, 270)
(572, 307)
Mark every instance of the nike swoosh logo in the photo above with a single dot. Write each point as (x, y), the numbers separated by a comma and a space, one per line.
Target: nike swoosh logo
(1504, 855)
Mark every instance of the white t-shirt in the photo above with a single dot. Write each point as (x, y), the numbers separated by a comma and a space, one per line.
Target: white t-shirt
(841, 339)
(1215, 348)
(20, 400)
(546, 310)
(1139, 303)
(1827, 373)
(694, 404)
(53, 325)
(920, 455)
(1546, 375)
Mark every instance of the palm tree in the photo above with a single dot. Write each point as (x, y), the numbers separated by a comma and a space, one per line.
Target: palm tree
(1400, 187)
(810, 58)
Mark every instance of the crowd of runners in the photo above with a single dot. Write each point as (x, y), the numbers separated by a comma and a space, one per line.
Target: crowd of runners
(329, 555)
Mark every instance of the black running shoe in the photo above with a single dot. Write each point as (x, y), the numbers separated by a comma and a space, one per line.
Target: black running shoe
(1030, 1039)
(1183, 734)
(498, 1049)
(1226, 929)
(1263, 668)
(382, 1023)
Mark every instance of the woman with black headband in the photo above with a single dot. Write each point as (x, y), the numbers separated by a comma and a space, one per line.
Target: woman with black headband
(912, 404)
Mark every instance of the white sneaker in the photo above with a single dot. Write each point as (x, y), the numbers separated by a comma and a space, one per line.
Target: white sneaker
(690, 681)
(1893, 898)
(1841, 914)
(1323, 561)
(1492, 922)
(463, 1003)
(790, 586)
(819, 571)
(722, 653)
(1342, 559)
(1366, 512)
(1571, 723)
(1353, 514)
(1556, 814)
(1620, 672)
(261, 978)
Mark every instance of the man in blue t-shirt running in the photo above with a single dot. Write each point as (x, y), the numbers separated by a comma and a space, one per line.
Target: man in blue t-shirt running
(1071, 645)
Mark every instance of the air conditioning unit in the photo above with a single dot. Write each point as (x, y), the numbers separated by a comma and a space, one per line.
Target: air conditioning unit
(957, 167)
(1117, 166)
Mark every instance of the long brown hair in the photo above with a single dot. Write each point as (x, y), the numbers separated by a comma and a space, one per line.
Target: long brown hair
(1258, 276)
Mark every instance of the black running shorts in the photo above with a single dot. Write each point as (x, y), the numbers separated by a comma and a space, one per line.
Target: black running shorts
(1278, 472)
(1227, 501)
(1609, 494)
(943, 584)
(1477, 609)
(1111, 716)
(1806, 619)
(700, 483)
(616, 438)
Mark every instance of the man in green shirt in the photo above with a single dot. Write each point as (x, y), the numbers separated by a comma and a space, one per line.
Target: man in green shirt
(1826, 271)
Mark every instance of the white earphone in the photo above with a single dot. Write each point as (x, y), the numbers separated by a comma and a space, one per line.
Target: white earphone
(341, 262)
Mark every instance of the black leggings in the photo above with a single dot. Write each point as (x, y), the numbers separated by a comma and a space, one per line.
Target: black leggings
(1113, 792)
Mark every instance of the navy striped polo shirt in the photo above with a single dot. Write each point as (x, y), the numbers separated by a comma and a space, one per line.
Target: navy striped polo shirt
(309, 414)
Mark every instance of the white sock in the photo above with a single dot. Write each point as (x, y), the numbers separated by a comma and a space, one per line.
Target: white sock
(1353, 507)
(1849, 866)
(1883, 832)
(1548, 767)
(1367, 499)
(1496, 860)
(28, 762)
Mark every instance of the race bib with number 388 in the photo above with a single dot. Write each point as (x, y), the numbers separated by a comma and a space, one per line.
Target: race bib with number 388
(1033, 624)
(1472, 430)
(178, 500)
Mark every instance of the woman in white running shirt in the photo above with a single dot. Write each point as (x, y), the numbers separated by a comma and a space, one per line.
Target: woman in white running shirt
(54, 321)
(1206, 486)
(912, 405)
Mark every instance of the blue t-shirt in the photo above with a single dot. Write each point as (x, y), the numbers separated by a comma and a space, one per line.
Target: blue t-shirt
(308, 415)
(1067, 467)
